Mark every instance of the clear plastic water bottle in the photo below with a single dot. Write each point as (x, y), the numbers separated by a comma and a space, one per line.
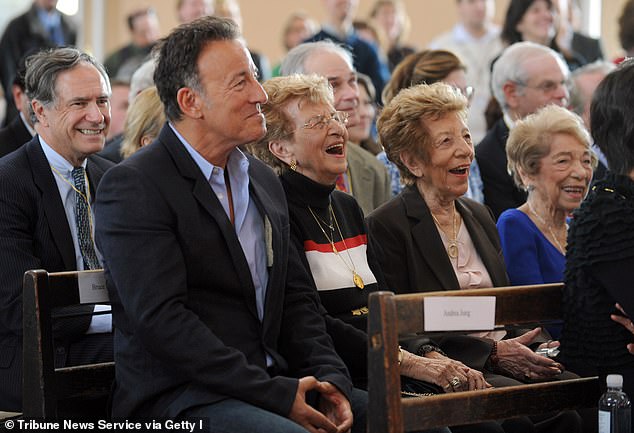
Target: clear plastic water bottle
(614, 407)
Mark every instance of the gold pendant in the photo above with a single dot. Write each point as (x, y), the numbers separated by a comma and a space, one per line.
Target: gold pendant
(452, 250)
(358, 281)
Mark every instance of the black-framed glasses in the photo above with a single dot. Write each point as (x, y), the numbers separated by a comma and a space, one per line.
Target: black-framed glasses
(322, 120)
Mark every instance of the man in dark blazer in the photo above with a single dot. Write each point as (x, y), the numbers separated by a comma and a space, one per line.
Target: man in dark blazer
(36, 201)
(20, 129)
(525, 78)
(214, 314)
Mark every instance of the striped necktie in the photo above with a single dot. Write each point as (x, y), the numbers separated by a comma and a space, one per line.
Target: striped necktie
(83, 219)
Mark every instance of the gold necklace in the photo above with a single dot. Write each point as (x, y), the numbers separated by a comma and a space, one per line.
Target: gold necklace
(356, 278)
(452, 247)
(548, 226)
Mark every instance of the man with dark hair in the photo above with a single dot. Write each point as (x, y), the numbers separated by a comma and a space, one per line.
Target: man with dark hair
(42, 26)
(144, 31)
(214, 313)
(46, 191)
(20, 129)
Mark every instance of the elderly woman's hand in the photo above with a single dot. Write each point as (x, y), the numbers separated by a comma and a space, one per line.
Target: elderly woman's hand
(519, 361)
(626, 322)
(442, 371)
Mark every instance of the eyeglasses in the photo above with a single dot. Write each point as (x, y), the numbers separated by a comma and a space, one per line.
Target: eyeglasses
(467, 92)
(547, 87)
(322, 120)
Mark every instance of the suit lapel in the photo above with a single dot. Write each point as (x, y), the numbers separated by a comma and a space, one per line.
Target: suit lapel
(51, 203)
(204, 194)
(485, 249)
(427, 239)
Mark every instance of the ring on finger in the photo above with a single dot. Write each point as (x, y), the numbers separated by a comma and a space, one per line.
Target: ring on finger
(455, 382)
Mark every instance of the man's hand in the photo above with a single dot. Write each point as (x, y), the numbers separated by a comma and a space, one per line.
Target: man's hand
(337, 416)
(627, 324)
(516, 359)
(336, 407)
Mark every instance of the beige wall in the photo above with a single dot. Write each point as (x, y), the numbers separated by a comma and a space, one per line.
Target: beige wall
(263, 20)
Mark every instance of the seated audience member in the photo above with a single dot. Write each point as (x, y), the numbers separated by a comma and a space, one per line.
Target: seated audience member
(119, 102)
(143, 122)
(550, 157)
(215, 315)
(391, 17)
(20, 129)
(47, 187)
(626, 31)
(144, 32)
(430, 238)
(534, 21)
(600, 252)
(525, 78)
(338, 29)
(584, 82)
(361, 133)
(475, 39)
(366, 179)
(327, 225)
(189, 10)
(41, 26)
(297, 29)
(568, 14)
(428, 67)
(231, 9)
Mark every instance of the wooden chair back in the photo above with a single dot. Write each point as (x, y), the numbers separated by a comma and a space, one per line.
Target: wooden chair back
(45, 386)
(393, 316)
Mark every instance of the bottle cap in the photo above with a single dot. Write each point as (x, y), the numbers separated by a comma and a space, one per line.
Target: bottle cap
(614, 381)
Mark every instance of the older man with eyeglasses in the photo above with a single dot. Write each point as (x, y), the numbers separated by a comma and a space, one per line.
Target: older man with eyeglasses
(525, 78)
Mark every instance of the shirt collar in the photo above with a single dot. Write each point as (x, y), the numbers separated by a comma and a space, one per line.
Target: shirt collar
(461, 34)
(237, 163)
(57, 161)
(49, 19)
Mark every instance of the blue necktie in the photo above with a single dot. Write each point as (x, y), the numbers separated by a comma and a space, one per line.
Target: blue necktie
(83, 221)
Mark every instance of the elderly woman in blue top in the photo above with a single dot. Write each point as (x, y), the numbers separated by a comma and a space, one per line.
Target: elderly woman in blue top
(549, 156)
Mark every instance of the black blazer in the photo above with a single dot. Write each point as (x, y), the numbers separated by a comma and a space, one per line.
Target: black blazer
(411, 253)
(413, 258)
(500, 192)
(34, 234)
(13, 136)
(187, 329)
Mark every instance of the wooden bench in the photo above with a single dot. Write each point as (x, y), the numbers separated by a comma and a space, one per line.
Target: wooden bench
(393, 316)
(45, 386)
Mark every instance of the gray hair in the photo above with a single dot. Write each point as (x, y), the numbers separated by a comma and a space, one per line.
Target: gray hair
(142, 78)
(295, 60)
(577, 99)
(43, 68)
(511, 66)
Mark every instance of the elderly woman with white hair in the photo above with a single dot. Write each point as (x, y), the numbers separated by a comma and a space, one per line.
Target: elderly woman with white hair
(549, 156)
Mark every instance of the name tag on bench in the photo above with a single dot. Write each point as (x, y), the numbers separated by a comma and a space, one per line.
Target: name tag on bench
(92, 287)
(459, 313)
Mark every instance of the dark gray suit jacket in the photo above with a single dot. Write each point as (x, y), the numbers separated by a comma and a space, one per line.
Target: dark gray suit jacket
(13, 136)
(34, 234)
(187, 329)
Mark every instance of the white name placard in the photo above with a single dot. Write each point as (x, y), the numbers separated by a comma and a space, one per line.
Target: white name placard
(459, 313)
(92, 287)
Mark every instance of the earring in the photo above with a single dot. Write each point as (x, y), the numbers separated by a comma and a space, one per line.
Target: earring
(293, 165)
(530, 188)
